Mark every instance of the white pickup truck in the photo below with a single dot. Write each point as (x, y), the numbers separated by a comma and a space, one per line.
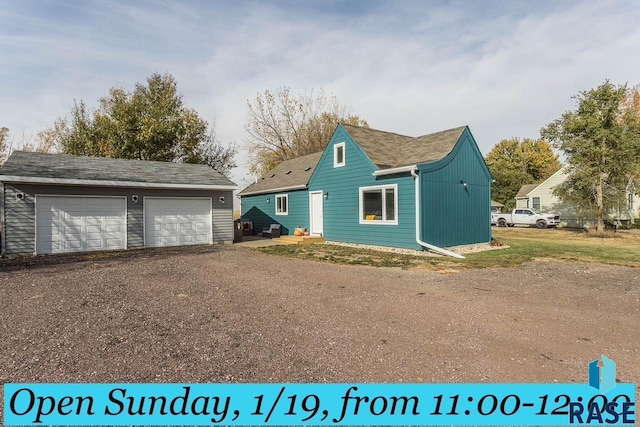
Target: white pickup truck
(525, 217)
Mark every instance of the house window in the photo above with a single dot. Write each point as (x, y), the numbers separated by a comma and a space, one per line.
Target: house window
(536, 203)
(379, 205)
(339, 155)
(282, 204)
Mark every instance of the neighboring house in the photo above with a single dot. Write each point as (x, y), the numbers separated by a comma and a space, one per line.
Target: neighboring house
(54, 203)
(380, 188)
(496, 207)
(539, 197)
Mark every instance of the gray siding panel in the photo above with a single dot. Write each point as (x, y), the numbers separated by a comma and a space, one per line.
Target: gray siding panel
(20, 214)
(222, 223)
(20, 223)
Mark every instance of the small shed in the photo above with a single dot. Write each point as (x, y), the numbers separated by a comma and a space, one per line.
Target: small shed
(57, 203)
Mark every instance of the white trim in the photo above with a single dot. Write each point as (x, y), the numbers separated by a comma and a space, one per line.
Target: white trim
(275, 203)
(101, 183)
(273, 190)
(35, 215)
(361, 191)
(391, 171)
(311, 210)
(336, 147)
(3, 234)
(144, 216)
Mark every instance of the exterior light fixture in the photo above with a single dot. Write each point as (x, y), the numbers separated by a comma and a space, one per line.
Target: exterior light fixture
(268, 200)
(326, 195)
(463, 182)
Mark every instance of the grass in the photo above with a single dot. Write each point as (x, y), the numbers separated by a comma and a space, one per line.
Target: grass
(525, 244)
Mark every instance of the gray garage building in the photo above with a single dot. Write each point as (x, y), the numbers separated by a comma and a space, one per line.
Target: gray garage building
(57, 203)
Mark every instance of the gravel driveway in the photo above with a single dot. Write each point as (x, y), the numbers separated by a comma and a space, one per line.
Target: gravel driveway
(230, 314)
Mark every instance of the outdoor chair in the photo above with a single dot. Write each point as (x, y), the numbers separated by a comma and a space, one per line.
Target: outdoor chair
(272, 231)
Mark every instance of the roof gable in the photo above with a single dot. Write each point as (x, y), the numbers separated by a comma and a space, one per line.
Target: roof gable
(390, 150)
(52, 168)
(289, 175)
(526, 189)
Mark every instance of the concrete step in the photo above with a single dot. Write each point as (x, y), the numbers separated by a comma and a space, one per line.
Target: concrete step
(300, 239)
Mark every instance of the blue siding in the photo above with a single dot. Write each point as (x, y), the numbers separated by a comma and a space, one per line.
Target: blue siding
(263, 213)
(341, 208)
(453, 214)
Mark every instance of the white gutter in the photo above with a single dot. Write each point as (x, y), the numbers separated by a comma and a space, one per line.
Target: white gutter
(274, 190)
(416, 180)
(3, 234)
(111, 183)
(400, 169)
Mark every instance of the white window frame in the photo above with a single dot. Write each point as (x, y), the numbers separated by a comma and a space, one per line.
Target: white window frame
(533, 203)
(281, 196)
(361, 215)
(336, 147)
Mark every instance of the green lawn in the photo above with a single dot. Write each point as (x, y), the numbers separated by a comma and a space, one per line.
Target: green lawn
(525, 244)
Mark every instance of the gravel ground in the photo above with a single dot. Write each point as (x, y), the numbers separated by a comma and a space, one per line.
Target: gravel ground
(230, 314)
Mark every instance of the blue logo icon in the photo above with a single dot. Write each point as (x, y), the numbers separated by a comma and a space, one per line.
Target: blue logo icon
(602, 377)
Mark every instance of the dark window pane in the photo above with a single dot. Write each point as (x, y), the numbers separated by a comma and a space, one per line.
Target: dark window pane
(372, 204)
(390, 204)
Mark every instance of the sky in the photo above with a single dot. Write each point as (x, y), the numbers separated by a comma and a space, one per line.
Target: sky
(504, 68)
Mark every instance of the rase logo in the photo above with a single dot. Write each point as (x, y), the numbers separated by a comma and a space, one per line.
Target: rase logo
(602, 377)
(600, 410)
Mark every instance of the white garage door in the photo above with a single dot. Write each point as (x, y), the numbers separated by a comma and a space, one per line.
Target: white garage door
(177, 221)
(79, 224)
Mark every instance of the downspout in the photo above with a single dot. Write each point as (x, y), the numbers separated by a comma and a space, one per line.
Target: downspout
(3, 237)
(416, 181)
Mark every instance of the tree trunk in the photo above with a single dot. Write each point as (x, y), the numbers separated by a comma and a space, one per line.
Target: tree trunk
(600, 204)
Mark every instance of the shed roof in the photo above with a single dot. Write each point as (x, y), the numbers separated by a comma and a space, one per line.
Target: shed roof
(390, 150)
(526, 189)
(43, 168)
(288, 175)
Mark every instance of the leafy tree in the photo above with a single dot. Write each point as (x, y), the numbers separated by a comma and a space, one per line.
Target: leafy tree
(150, 123)
(601, 142)
(46, 141)
(283, 126)
(4, 144)
(514, 162)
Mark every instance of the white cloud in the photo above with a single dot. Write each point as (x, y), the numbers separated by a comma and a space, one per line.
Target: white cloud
(407, 67)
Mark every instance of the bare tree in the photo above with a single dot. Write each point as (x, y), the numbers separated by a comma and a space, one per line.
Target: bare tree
(283, 126)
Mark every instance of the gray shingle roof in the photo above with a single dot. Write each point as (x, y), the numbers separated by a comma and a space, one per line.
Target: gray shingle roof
(390, 150)
(66, 167)
(526, 189)
(290, 173)
(385, 149)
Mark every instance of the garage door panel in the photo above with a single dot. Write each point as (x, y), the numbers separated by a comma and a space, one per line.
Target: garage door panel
(78, 224)
(177, 221)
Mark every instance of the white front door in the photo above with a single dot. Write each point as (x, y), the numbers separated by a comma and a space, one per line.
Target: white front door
(316, 213)
(80, 224)
(177, 221)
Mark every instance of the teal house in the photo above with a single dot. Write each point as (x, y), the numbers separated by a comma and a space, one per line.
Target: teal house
(381, 188)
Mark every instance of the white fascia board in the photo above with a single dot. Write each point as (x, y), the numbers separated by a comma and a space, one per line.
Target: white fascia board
(391, 171)
(101, 183)
(273, 190)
